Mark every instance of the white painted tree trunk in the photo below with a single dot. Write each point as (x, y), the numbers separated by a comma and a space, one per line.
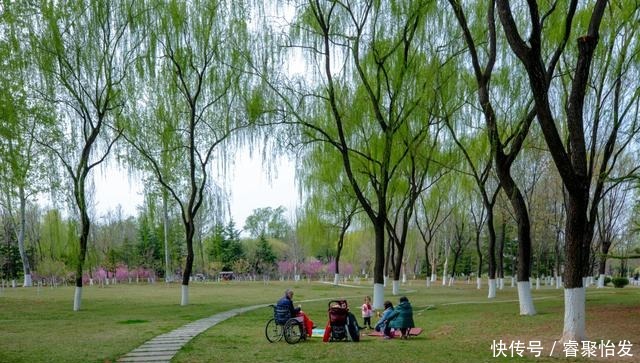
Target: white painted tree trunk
(513, 281)
(601, 281)
(77, 298)
(336, 279)
(492, 289)
(185, 295)
(385, 280)
(27, 281)
(13, 283)
(479, 283)
(559, 282)
(501, 283)
(404, 278)
(574, 315)
(434, 277)
(396, 287)
(444, 272)
(537, 283)
(525, 298)
(428, 282)
(378, 296)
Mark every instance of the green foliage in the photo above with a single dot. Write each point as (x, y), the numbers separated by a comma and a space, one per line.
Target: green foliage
(620, 282)
(10, 261)
(148, 247)
(607, 280)
(264, 259)
(267, 222)
(52, 270)
(225, 247)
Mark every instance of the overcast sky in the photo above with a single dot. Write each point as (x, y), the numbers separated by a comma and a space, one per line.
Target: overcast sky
(250, 188)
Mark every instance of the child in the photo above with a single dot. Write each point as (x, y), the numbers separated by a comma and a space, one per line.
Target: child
(367, 312)
(383, 324)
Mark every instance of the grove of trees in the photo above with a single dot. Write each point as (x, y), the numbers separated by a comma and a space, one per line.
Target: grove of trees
(461, 139)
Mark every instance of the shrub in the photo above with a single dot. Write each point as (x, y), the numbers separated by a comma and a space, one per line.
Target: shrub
(620, 282)
(607, 280)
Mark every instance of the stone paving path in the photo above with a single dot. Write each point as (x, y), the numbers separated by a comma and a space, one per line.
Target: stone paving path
(163, 347)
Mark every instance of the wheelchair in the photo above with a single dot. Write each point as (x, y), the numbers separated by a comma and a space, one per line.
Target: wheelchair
(283, 325)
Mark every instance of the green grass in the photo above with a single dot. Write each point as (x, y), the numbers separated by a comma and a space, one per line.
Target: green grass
(38, 325)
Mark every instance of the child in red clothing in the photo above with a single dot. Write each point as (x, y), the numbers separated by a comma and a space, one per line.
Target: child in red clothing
(308, 323)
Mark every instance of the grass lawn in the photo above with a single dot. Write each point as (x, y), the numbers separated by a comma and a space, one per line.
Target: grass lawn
(460, 324)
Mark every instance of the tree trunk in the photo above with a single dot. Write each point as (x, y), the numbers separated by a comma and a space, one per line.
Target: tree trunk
(500, 266)
(574, 294)
(603, 263)
(446, 262)
(557, 261)
(168, 275)
(479, 252)
(378, 267)
(82, 254)
(21, 232)
(343, 231)
(188, 268)
(524, 238)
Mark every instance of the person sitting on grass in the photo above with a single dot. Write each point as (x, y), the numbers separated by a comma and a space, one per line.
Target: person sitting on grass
(383, 324)
(403, 317)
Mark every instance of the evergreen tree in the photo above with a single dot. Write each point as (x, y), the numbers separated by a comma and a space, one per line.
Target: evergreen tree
(149, 248)
(225, 246)
(265, 258)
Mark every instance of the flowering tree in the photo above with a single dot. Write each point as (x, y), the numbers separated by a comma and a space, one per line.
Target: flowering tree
(312, 268)
(346, 268)
(286, 268)
(122, 273)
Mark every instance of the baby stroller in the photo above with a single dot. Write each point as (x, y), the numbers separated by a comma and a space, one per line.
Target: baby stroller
(342, 324)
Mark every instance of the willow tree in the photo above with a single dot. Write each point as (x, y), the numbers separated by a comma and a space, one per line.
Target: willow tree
(420, 170)
(19, 113)
(609, 225)
(473, 147)
(365, 93)
(585, 156)
(84, 50)
(330, 202)
(504, 148)
(188, 102)
(430, 217)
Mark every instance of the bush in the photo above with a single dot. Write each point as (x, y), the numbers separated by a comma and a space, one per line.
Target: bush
(607, 280)
(620, 282)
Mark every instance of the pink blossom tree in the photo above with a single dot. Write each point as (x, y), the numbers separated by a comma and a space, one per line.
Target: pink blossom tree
(285, 268)
(312, 268)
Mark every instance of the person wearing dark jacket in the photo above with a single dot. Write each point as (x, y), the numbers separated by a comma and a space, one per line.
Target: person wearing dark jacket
(286, 304)
(403, 317)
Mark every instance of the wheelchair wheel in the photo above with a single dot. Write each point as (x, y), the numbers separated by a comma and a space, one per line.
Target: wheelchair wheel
(293, 331)
(273, 331)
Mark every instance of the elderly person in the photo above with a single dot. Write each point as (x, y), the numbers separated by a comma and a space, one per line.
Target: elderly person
(286, 304)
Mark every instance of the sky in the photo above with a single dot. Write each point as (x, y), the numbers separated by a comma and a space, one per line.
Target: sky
(249, 187)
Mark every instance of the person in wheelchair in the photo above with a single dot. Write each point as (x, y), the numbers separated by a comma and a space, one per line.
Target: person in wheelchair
(285, 310)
